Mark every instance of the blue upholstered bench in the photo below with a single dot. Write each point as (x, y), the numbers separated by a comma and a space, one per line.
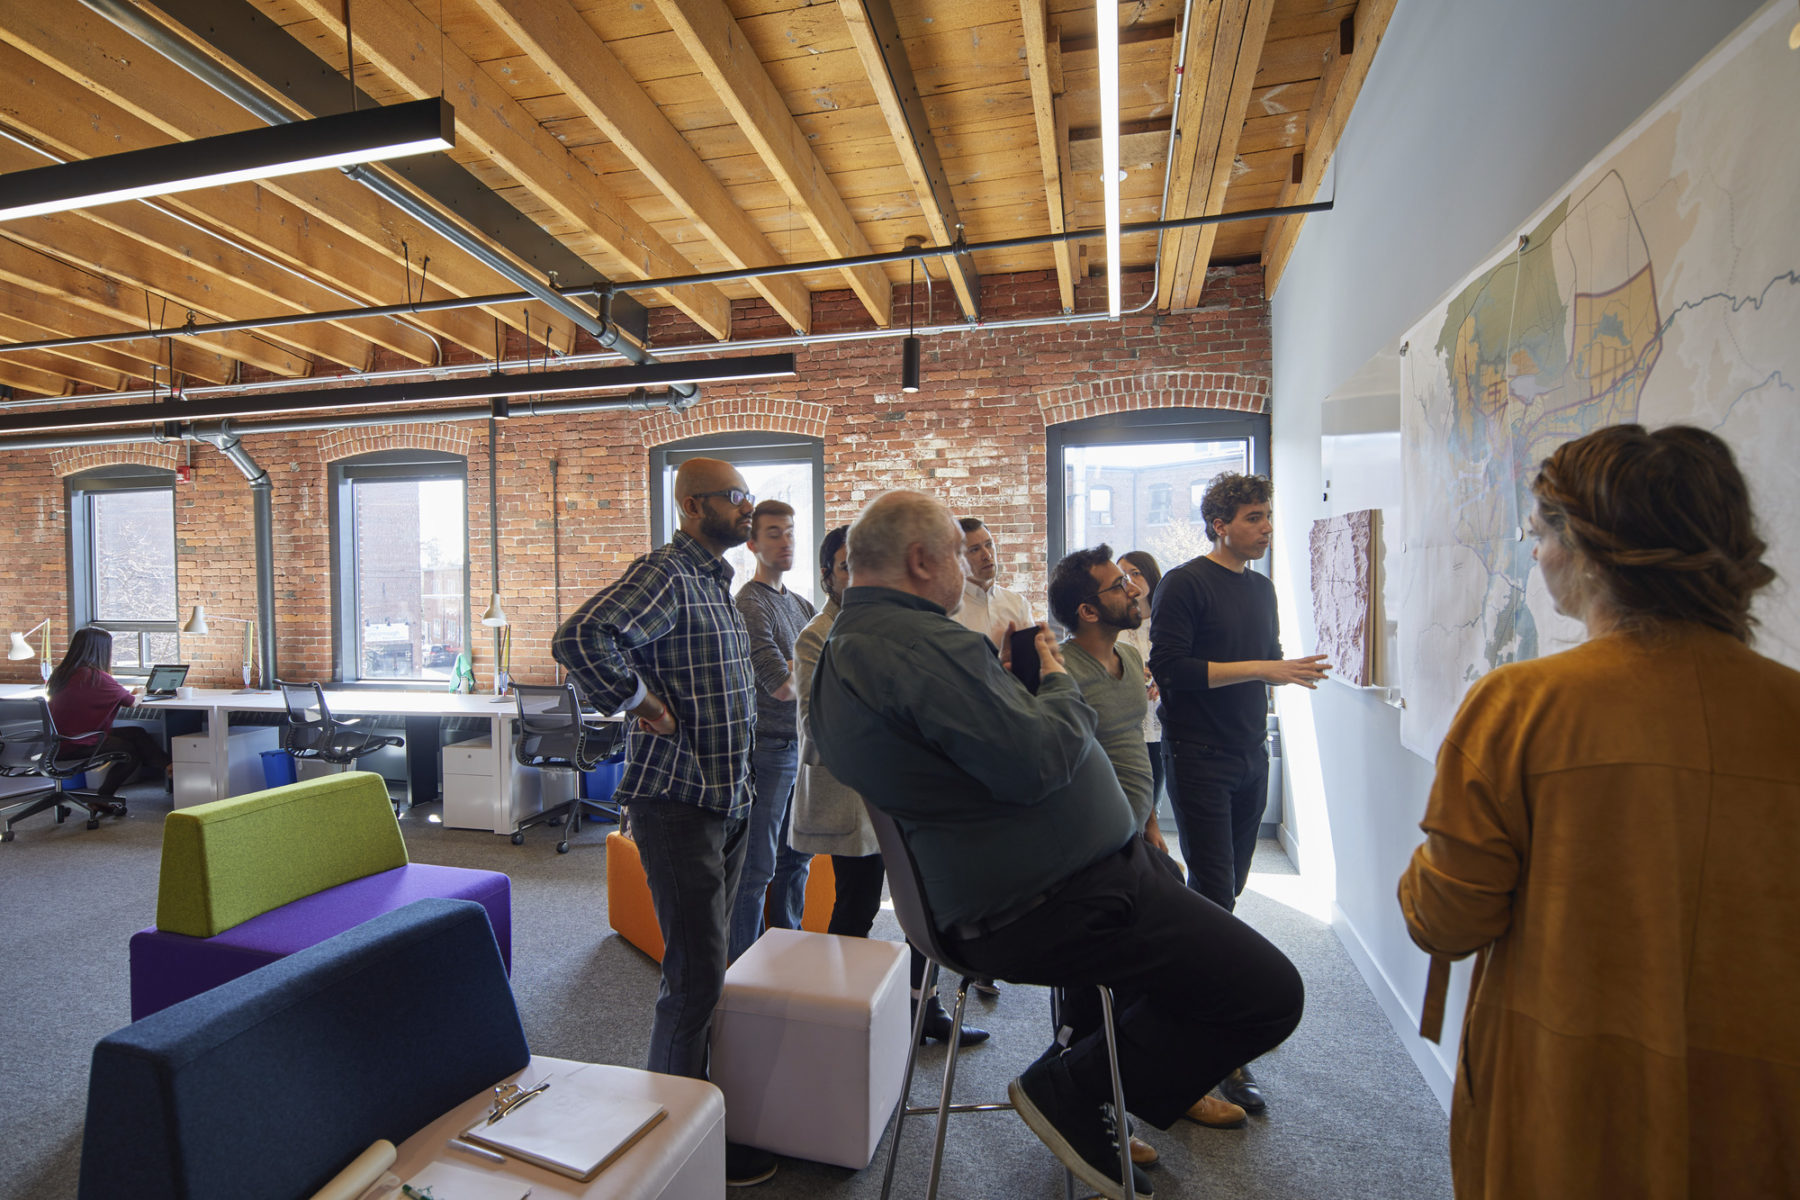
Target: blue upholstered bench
(270, 1084)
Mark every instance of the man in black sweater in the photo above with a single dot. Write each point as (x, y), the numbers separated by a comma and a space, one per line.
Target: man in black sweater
(1215, 645)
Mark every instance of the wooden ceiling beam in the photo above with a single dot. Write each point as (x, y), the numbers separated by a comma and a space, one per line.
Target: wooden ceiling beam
(718, 47)
(393, 35)
(876, 36)
(1043, 59)
(126, 304)
(566, 48)
(1332, 102)
(22, 376)
(1228, 42)
(112, 67)
(39, 316)
(180, 271)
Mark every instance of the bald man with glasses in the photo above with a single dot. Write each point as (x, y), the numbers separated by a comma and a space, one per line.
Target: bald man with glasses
(667, 644)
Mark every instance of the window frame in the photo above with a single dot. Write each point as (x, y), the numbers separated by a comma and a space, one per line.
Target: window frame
(343, 474)
(743, 447)
(78, 490)
(1143, 425)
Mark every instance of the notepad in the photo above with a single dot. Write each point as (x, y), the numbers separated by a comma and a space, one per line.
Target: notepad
(575, 1127)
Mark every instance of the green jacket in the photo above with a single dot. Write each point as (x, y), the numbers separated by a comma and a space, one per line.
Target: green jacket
(1001, 794)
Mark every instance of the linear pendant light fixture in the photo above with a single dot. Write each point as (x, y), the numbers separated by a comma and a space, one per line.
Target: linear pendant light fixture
(1106, 13)
(365, 135)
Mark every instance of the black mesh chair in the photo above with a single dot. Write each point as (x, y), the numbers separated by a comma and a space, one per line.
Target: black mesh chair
(31, 746)
(312, 732)
(552, 735)
(914, 914)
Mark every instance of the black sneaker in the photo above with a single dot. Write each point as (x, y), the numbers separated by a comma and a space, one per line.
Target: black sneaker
(937, 1026)
(1241, 1089)
(1083, 1135)
(746, 1166)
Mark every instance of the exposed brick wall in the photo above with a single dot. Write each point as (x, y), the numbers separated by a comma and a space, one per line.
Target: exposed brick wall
(974, 435)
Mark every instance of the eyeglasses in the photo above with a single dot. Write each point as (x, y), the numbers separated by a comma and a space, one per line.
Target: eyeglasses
(1121, 584)
(737, 496)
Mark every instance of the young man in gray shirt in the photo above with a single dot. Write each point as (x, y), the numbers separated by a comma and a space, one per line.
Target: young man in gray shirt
(774, 617)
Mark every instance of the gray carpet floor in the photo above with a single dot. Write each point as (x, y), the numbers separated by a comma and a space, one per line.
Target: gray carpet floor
(1349, 1115)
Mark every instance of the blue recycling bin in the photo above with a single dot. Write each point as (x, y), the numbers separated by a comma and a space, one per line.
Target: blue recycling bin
(599, 783)
(278, 768)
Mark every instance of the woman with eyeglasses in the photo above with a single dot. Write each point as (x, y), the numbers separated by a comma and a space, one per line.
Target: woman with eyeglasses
(1614, 833)
(1140, 567)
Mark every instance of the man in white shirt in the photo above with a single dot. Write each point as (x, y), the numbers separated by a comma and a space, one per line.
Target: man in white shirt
(987, 607)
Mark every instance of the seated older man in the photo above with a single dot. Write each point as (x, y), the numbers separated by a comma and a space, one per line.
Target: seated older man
(1026, 846)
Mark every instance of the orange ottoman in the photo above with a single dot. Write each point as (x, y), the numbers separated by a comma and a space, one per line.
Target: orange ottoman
(629, 911)
(628, 908)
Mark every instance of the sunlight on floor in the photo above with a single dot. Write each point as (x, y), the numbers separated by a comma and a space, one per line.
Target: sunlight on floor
(1294, 891)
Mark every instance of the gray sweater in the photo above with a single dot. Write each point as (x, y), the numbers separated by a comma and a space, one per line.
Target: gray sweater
(774, 619)
(1001, 794)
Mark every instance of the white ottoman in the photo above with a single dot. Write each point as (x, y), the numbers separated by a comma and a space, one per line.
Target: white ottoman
(809, 1044)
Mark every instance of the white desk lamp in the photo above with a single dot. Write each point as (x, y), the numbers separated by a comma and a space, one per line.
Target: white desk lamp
(196, 623)
(495, 618)
(21, 649)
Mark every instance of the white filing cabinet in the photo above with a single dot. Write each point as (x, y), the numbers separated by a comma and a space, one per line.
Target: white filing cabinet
(194, 780)
(468, 783)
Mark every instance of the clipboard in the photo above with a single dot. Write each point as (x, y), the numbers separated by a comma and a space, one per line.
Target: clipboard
(574, 1126)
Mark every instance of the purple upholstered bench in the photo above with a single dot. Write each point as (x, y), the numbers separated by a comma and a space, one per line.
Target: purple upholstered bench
(252, 879)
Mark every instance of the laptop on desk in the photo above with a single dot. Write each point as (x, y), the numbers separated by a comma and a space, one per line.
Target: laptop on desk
(164, 679)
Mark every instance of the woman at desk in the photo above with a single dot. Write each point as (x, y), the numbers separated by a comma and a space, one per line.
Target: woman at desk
(84, 698)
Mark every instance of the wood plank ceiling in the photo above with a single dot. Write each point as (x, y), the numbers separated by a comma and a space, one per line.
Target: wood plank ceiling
(649, 139)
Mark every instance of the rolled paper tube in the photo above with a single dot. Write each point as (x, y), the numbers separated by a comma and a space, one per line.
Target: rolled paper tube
(366, 1169)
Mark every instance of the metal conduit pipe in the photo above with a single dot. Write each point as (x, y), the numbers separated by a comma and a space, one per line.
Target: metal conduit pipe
(228, 444)
(210, 431)
(166, 43)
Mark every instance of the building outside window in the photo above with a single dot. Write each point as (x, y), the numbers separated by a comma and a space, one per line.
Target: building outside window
(400, 564)
(1137, 460)
(122, 563)
(775, 466)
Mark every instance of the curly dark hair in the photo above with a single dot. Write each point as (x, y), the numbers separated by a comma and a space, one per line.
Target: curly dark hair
(1072, 584)
(1227, 493)
(834, 541)
(1664, 519)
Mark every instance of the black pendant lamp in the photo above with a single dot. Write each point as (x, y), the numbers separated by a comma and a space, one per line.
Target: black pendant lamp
(909, 348)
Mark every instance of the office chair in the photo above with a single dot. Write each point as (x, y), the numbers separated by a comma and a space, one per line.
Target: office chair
(312, 732)
(30, 745)
(907, 890)
(551, 736)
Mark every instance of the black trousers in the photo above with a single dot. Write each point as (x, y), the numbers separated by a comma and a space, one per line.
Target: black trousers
(1218, 795)
(145, 753)
(859, 879)
(1197, 991)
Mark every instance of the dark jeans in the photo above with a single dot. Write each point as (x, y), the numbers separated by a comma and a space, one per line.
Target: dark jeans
(1218, 795)
(768, 859)
(1197, 991)
(692, 860)
(1156, 772)
(858, 879)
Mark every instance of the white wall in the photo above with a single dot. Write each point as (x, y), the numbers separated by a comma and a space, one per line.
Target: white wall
(1473, 115)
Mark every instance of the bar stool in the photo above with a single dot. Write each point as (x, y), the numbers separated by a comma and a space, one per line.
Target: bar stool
(908, 892)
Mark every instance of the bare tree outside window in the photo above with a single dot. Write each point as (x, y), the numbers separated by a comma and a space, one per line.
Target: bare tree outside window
(134, 556)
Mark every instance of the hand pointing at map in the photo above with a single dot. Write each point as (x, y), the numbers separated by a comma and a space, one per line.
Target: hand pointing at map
(1307, 672)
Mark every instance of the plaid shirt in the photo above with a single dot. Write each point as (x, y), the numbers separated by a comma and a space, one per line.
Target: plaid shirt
(669, 626)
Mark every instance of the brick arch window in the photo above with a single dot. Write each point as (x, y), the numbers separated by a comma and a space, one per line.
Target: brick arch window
(1141, 458)
(122, 562)
(776, 466)
(399, 564)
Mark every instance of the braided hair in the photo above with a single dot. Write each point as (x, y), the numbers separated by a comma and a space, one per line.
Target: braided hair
(1664, 520)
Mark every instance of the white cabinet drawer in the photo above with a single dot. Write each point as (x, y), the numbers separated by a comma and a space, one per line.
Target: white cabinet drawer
(469, 758)
(191, 748)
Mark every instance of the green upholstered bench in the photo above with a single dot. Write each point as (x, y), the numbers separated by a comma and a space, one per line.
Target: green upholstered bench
(253, 878)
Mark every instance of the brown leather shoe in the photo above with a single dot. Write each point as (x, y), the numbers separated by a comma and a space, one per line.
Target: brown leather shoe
(1143, 1153)
(1215, 1113)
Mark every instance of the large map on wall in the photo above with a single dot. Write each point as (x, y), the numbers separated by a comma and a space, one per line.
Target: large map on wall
(1663, 285)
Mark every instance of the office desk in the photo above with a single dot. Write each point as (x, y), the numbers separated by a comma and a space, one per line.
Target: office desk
(421, 711)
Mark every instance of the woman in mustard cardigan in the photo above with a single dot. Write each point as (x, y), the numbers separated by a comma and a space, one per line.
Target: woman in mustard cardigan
(1614, 832)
